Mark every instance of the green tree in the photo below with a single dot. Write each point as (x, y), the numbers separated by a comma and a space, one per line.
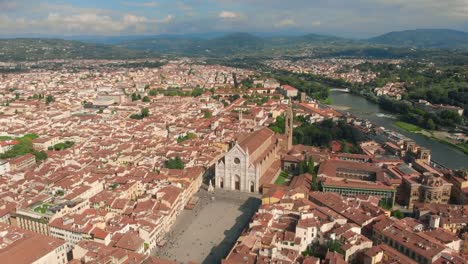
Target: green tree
(207, 114)
(145, 112)
(40, 156)
(49, 99)
(145, 99)
(345, 146)
(175, 163)
(63, 145)
(186, 137)
(197, 92)
(311, 165)
(136, 116)
(430, 124)
(397, 214)
(279, 125)
(247, 83)
(25, 146)
(153, 92)
(303, 167)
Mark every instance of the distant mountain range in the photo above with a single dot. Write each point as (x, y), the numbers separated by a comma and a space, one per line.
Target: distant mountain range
(46, 49)
(244, 42)
(221, 44)
(424, 38)
(230, 44)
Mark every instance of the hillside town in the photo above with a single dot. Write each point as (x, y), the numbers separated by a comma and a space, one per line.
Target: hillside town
(99, 164)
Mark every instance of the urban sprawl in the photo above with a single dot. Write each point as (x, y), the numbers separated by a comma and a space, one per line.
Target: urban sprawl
(102, 163)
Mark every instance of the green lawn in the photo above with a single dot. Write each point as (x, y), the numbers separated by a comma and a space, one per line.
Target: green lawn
(281, 180)
(2, 138)
(42, 208)
(327, 101)
(407, 126)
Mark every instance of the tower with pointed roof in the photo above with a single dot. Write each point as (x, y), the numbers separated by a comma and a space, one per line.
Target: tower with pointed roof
(289, 127)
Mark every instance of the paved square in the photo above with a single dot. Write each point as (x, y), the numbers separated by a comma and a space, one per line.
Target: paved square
(207, 233)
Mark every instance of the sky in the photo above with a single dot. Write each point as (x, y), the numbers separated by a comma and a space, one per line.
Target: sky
(346, 18)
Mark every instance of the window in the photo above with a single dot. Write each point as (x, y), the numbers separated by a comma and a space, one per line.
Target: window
(236, 160)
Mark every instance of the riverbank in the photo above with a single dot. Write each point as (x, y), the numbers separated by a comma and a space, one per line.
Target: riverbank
(440, 136)
(340, 107)
(445, 154)
(408, 127)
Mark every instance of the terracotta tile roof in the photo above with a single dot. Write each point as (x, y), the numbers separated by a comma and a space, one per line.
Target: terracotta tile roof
(253, 141)
(130, 241)
(27, 247)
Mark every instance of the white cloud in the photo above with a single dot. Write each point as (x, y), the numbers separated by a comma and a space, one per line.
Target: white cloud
(317, 23)
(361, 18)
(145, 4)
(286, 23)
(452, 9)
(130, 19)
(229, 15)
(184, 6)
(85, 22)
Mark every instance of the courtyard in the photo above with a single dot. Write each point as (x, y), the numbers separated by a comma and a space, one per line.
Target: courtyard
(207, 233)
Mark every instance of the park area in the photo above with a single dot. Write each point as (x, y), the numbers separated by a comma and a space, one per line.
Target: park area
(207, 233)
(283, 177)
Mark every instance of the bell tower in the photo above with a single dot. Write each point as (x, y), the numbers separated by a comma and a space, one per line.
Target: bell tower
(289, 126)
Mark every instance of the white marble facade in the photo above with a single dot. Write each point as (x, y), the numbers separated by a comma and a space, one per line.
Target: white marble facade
(236, 172)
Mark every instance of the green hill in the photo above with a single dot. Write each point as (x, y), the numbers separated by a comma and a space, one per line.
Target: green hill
(424, 38)
(47, 49)
(231, 44)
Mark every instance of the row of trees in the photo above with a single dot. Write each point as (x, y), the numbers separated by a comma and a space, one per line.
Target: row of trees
(177, 92)
(419, 117)
(62, 145)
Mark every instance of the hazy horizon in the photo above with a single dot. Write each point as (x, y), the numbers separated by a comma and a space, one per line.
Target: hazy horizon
(199, 35)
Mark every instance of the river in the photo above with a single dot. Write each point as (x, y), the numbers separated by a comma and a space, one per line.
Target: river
(360, 107)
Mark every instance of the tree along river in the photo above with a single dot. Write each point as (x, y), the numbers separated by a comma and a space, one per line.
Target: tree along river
(360, 107)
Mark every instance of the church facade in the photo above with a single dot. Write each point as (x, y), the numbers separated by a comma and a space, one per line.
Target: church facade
(254, 159)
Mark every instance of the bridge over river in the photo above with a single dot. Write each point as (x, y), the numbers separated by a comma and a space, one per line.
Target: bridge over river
(340, 90)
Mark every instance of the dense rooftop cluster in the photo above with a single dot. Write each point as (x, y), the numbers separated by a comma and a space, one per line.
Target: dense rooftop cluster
(100, 161)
